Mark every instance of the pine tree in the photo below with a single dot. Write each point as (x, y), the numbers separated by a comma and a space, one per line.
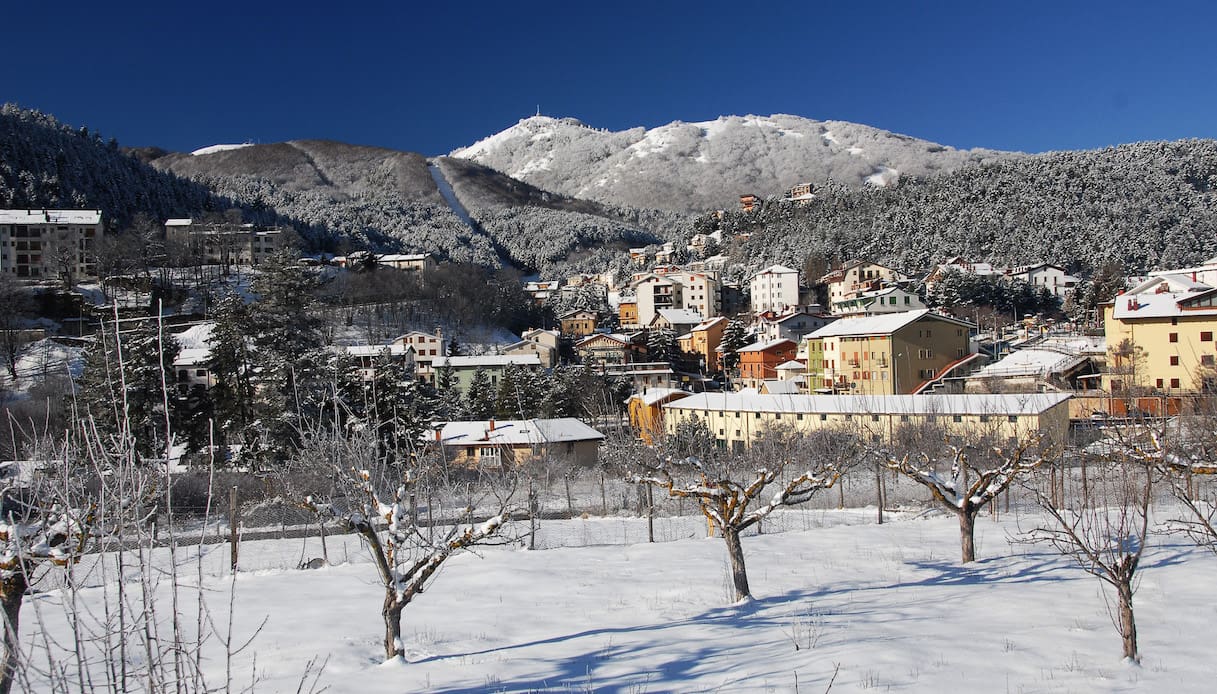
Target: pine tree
(125, 385)
(734, 337)
(479, 397)
(661, 345)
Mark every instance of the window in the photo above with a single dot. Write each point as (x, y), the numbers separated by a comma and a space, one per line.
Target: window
(1206, 360)
(1174, 360)
(984, 418)
(1013, 419)
(956, 418)
(1158, 383)
(874, 418)
(1174, 337)
(200, 372)
(823, 418)
(904, 418)
(1206, 336)
(1174, 383)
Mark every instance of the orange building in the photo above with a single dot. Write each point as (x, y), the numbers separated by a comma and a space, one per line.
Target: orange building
(627, 313)
(760, 361)
(578, 323)
(703, 340)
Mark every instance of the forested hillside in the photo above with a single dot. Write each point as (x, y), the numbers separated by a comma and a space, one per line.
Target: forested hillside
(1145, 205)
(44, 163)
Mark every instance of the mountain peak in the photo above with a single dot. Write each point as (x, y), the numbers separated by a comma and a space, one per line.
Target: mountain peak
(693, 166)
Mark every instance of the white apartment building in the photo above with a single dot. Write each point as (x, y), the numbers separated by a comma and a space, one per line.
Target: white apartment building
(49, 244)
(776, 288)
(1047, 276)
(676, 289)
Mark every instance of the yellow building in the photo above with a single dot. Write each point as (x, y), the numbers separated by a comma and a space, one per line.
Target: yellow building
(646, 411)
(737, 419)
(704, 340)
(886, 354)
(1160, 334)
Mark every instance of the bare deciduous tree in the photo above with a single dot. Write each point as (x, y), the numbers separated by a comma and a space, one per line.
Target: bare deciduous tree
(377, 501)
(726, 488)
(1106, 535)
(972, 478)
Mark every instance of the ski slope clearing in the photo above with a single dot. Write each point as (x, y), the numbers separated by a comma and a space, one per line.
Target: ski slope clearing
(889, 604)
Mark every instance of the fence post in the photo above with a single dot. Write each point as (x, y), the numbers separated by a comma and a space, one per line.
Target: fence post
(233, 522)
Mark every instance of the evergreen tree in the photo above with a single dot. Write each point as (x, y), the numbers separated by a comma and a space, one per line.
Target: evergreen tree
(734, 337)
(479, 397)
(661, 345)
(125, 386)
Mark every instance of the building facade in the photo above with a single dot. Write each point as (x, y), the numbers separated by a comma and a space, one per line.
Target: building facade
(49, 244)
(776, 288)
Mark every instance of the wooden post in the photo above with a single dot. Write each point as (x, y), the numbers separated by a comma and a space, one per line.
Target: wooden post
(532, 516)
(233, 524)
(879, 490)
(650, 513)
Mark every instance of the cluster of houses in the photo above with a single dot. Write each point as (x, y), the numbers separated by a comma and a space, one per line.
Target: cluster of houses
(857, 345)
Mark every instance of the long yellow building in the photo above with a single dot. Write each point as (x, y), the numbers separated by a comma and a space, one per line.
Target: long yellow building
(737, 419)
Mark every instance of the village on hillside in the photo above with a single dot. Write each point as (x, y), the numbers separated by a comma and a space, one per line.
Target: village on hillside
(674, 339)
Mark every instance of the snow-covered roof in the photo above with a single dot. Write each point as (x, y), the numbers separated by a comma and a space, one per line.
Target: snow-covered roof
(193, 356)
(376, 350)
(773, 386)
(680, 316)
(654, 396)
(489, 360)
(776, 270)
(402, 257)
(515, 432)
(1030, 362)
(196, 336)
(615, 337)
(884, 324)
(792, 365)
(765, 346)
(706, 325)
(50, 216)
(184, 222)
(1020, 404)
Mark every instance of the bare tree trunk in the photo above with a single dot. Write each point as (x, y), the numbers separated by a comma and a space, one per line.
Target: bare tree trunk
(739, 573)
(967, 535)
(879, 491)
(12, 592)
(392, 616)
(1128, 625)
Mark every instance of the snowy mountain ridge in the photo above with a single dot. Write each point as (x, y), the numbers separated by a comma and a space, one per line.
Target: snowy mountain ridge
(689, 166)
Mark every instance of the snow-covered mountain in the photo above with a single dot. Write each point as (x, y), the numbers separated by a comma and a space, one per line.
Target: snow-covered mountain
(707, 165)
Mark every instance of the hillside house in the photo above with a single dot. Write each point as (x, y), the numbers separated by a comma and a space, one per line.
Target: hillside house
(508, 444)
(1046, 276)
(427, 348)
(604, 348)
(577, 324)
(856, 277)
(890, 299)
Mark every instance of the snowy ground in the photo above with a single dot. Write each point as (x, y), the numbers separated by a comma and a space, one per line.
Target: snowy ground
(889, 604)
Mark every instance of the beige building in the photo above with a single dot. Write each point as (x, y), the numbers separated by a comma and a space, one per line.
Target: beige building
(427, 348)
(49, 244)
(737, 419)
(856, 277)
(224, 243)
(1160, 334)
(512, 443)
(886, 354)
(667, 288)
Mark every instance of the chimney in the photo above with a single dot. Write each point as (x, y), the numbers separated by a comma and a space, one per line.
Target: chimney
(492, 424)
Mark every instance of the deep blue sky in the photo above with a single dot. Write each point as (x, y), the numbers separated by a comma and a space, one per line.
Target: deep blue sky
(430, 77)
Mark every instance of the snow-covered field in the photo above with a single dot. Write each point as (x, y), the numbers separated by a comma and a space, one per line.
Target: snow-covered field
(890, 605)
